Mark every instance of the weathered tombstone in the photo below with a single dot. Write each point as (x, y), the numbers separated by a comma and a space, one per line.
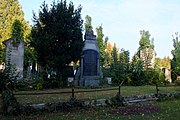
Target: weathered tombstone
(167, 73)
(15, 53)
(89, 71)
(109, 80)
(70, 81)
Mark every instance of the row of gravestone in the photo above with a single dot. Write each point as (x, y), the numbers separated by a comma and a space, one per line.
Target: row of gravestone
(89, 70)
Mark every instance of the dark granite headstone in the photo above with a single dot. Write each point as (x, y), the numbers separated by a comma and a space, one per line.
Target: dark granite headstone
(89, 72)
(90, 63)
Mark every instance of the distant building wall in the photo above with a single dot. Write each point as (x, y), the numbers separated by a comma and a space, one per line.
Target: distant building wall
(167, 74)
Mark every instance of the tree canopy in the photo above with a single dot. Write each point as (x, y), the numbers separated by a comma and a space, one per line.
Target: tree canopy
(88, 22)
(57, 34)
(146, 49)
(145, 40)
(11, 11)
(102, 44)
(176, 56)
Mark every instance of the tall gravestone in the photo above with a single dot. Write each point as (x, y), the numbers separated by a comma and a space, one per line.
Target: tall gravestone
(15, 54)
(89, 72)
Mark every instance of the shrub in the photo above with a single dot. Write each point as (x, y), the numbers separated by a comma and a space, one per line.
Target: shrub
(177, 82)
(8, 78)
(38, 85)
(23, 85)
(118, 100)
(52, 83)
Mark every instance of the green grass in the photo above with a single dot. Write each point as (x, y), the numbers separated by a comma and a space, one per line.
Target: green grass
(169, 110)
(126, 91)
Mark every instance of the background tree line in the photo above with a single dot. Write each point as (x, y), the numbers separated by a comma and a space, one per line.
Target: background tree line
(116, 63)
(55, 40)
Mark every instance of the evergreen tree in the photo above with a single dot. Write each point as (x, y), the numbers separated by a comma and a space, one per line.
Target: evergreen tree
(57, 35)
(176, 57)
(137, 71)
(108, 50)
(88, 22)
(115, 54)
(17, 30)
(114, 65)
(102, 44)
(10, 11)
(124, 66)
(145, 40)
(146, 49)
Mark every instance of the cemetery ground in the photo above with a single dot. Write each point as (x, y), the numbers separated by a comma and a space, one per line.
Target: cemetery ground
(165, 110)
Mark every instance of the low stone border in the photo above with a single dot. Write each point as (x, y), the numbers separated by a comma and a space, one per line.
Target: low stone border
(75, 103)
(168, 96)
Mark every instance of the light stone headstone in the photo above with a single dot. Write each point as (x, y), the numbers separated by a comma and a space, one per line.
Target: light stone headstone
(15, 53)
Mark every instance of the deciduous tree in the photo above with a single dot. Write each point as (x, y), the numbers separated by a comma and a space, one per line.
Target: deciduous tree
(176, 57)
(10, 11)
(88, 22)
(102, 44)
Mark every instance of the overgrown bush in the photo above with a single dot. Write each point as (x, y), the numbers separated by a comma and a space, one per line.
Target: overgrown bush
(177, 82)
(38, 84)
(7, 79)
(52, 83)
(23, 85)
(118, 100)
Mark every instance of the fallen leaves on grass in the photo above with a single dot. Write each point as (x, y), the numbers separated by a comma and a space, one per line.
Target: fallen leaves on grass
(135, 110)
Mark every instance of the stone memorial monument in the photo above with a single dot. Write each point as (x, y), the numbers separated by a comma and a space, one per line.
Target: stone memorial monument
(89, 72)
(15, 54)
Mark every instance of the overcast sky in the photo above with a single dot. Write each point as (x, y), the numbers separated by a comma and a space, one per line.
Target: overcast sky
(123, 19)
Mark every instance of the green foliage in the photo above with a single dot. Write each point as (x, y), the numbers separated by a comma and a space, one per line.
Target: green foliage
(38, 85)
(163, 63)
(161, 78)
(100, 40)
(8, 77)
(57, 35)
(29, 56)
(145, 40)
(114, 54)
(17, 30)
(11, 11)
(117, 100)
(120, 69)
(175, 63)
(52, 83)
(23, 85)
(102, 44)
(146, 49)
(1, 53)
(88, 24)
(177, 82)
(137, 71)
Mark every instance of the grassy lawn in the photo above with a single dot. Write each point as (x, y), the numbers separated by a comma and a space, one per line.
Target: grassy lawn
(169, 110)
(126, 91)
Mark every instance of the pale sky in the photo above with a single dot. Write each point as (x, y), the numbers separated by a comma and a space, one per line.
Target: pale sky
(123, 19)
